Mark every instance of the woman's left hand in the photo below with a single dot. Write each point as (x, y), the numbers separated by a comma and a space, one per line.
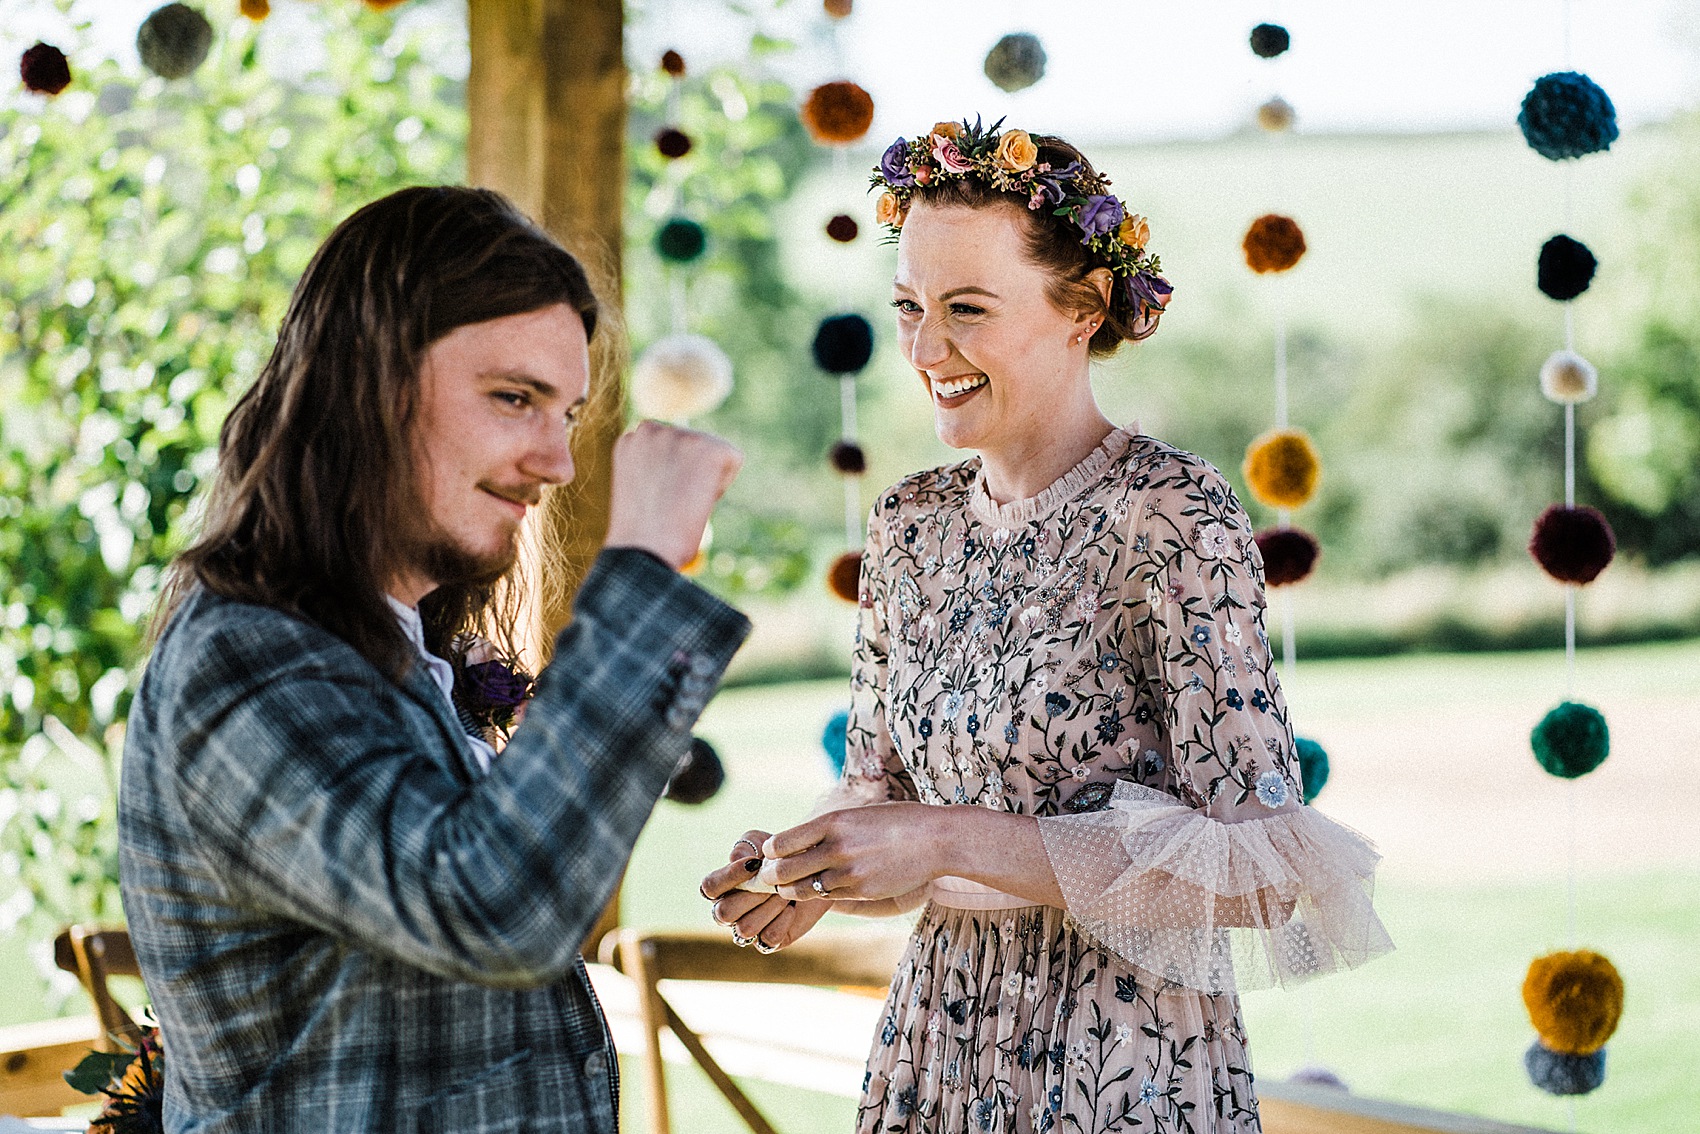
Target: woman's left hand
(884, 850)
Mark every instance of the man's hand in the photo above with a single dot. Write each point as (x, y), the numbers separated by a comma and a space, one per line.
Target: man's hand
(666, 483)
(770, 921)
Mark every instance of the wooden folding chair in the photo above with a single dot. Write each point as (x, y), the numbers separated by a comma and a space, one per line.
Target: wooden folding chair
(858, 962)
(92, 955)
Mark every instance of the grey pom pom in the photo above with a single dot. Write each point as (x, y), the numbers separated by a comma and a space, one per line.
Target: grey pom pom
(174, 41)
(1016, 62)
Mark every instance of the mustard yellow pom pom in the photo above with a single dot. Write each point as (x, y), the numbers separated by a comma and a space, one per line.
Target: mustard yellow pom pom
(844, 577)
(1281, 468)
(1574, 1001)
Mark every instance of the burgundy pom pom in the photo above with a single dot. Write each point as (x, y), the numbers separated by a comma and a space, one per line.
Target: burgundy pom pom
(842, 228)
(847, 457)
(672, 142)
(1289, 555)
(45, 69)
(1573, 545)
(673, 63)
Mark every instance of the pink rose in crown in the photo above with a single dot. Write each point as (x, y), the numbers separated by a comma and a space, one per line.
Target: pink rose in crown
(949, 156)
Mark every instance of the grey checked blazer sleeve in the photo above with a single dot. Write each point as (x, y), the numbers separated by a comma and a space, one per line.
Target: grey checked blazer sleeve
(318, 806)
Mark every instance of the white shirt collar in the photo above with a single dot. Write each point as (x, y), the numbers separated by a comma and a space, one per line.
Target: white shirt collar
(442, 673)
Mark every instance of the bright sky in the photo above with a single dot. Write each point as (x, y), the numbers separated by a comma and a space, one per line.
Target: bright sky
(1134, 69)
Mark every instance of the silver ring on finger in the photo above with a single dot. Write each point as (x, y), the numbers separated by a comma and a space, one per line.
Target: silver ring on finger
(764, 948)
(755, 851)
(816, 886)
(741, 941)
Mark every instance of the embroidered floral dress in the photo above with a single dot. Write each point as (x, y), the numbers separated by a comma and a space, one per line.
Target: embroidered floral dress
(1093, 656)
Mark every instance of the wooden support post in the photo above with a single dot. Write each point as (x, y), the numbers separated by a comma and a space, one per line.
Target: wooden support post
(546, 103)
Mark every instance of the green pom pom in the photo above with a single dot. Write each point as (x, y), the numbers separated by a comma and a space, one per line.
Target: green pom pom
(1571, 741)
(1313, 766)
(174, 40)
(681, 241)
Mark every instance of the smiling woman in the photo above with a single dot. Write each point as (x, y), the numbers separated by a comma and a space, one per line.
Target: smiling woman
(1061, 636)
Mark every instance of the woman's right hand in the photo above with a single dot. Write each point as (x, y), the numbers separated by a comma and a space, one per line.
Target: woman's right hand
(769, 921)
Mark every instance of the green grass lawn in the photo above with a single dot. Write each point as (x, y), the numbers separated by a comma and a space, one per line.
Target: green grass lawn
(1439, 1023)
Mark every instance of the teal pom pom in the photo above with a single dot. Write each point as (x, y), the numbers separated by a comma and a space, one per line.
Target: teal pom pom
(1016, 62)
(1313, 766)
(1566, 115)
(680, 241)
(1559, 1074)
(174, 40)
(834, 740)
(1571, 741)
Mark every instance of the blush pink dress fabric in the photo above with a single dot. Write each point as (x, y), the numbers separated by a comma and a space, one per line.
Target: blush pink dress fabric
(1093, 656)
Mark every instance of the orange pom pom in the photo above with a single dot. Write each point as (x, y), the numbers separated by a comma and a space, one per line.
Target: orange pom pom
(1281, 468)
(836, 113)
(844, 577)
(1574, 1000)
(1273, 243)
(837, 9)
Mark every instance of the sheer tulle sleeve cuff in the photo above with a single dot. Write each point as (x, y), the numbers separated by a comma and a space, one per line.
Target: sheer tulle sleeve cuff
(1213, 906)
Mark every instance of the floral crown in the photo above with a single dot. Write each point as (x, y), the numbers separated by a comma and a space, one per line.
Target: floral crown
(1009, 162)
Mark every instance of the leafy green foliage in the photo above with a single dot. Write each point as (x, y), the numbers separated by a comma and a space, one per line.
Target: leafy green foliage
(154, 232)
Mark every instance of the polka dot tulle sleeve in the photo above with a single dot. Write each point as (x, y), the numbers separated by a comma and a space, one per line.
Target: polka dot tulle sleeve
(1214, 875)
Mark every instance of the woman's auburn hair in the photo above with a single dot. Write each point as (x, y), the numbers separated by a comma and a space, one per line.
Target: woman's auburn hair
(315, 495)
(1053, 245)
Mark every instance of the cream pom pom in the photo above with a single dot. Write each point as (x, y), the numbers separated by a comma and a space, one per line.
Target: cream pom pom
(680, 377)
(1276, 115)
(1567, 377)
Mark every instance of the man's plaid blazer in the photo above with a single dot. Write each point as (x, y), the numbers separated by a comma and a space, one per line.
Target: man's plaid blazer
(345, 927)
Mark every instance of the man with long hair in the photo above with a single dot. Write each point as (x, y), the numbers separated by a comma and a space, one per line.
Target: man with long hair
(351, 914)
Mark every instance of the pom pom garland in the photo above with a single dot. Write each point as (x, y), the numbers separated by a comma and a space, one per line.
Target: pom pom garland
(1270, 40)
(1572, 544)
(1571, 741)
(1015, 62)
(1281, 468)
(1273, 243)
(256, 10)
(1574, 1000)
(1560, 1074)
(44, 69)
(838, 113)
(842, 228)
(843, 344)
(1289, 555)
(672, 142)
(1566, 268)
(848, 458)
(1567, 378)
(844, 577)
(699, 776)
(1567, 115)
(1276, 115)
(681, 377)
(174, 40)
(834, 740)
(673, 63)
(1313, 766)
(680, 240)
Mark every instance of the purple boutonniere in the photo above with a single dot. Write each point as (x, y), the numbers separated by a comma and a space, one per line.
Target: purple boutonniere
(492, 692)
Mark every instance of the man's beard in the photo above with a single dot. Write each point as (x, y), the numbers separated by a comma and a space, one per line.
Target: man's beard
(446, 563)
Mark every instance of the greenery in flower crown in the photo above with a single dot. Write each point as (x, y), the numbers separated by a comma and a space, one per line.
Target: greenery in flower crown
(1009, 163)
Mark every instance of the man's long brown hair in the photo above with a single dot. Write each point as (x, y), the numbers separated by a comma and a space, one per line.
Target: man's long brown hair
(315, 492)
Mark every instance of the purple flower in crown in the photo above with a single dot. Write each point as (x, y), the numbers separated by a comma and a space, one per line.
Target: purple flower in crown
(894, 164)
(1148, 289)
(1100, 214)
